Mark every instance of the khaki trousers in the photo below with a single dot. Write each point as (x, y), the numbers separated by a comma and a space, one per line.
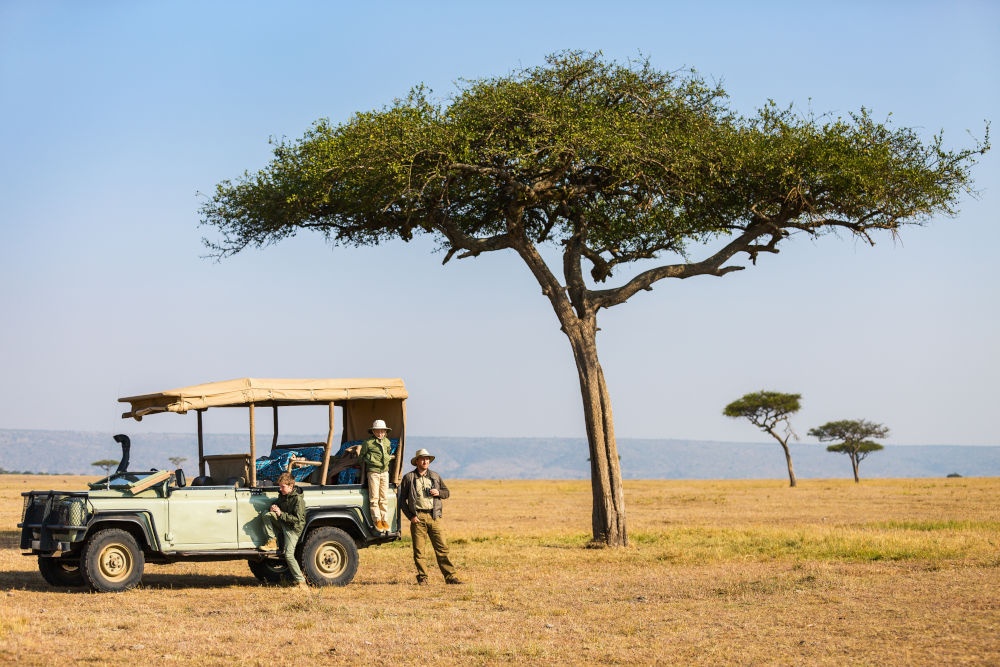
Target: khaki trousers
(378, 492)
(432, 529)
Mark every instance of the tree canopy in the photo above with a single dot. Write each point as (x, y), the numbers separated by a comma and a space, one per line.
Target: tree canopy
(766, 410)
(610, 163)
(854, 435)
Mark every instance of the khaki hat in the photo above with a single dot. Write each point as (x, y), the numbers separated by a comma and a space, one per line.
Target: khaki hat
(419, 455)
(379, 424)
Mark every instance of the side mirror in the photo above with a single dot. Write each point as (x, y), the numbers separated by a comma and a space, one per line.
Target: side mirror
(179, 478)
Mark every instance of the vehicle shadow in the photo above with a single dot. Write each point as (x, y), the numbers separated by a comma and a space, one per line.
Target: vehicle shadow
(10, 539)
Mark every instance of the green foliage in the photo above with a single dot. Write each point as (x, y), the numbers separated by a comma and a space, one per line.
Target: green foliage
(105, 464)
(613, 162)
(853, 433)
(764, 409)
(857, 448)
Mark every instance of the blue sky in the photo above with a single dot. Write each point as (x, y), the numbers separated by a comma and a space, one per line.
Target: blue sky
(117, 114)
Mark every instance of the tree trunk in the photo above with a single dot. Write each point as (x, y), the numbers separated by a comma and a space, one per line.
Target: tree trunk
(854, 464)
(608, 518)
(788, 458)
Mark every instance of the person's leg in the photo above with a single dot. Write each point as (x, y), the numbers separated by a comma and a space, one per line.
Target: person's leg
(291, 540)
(269, 522)
(435, 531)
(418, 534)
(373, 491)
(383, 499)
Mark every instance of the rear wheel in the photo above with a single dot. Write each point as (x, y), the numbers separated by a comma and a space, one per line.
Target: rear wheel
(112, 561)
(269, 570)
(59, 572)
(329, 557)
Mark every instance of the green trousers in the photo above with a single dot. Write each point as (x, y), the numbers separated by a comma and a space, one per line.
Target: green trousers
(271, 525)
(432, 529)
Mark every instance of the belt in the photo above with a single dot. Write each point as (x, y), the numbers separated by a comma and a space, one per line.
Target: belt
(426, 511)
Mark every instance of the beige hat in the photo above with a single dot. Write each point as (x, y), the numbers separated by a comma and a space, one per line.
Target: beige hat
(419, 455)
(379, 424)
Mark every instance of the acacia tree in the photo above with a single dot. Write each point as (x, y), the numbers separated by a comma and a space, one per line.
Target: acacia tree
(608, 163)
(766, 410)
(106, 465)
(176, 461)
(853, 434)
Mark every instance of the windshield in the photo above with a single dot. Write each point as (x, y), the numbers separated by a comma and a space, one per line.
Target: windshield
(122, 481)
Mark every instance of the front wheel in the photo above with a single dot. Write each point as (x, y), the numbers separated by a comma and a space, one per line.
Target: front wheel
(60, 572)
(269, 570)
(112, 561)
(329, 557)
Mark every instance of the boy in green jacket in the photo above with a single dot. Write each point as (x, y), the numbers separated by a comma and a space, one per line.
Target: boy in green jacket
(375, 453)
(287, 514)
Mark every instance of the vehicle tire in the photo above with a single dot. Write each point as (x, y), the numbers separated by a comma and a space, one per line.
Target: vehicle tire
(269, 570)
(61, 572)
(112, 561)
(329, 557)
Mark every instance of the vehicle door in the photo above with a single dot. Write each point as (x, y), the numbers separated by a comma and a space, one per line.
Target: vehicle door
(203, 518)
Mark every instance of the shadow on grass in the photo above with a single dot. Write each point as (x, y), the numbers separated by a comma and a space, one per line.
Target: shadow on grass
(10, 539)
(32, 581)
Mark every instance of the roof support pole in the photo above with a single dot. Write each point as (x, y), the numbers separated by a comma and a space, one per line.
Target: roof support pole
(326, 452)
(274, 441)
(201, 446)
(253, 450)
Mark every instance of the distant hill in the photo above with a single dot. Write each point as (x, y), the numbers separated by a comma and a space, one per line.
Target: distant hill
(523, 458)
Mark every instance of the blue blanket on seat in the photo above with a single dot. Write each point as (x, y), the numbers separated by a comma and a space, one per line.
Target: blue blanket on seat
(352, 475)
(272, 465)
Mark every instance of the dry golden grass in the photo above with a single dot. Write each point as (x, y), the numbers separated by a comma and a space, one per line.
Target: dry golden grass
(749, 572)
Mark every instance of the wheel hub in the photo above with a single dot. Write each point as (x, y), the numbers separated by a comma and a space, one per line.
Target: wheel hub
(116, 562)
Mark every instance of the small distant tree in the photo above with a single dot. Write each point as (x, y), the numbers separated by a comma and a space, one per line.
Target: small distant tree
(106, 465)
(176, 461)
(854, 435)
(767, 410)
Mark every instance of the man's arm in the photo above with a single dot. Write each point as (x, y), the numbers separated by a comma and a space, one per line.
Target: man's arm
(296, 512)
(442, 488)
(405, 490)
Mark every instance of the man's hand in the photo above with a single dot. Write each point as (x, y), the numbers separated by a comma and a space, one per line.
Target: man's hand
(434, 492)
(415, 519)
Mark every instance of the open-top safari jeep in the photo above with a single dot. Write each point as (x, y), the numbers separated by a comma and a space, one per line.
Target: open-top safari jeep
(102, 537)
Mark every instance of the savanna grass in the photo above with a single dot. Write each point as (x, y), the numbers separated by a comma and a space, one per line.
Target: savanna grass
(885, 572)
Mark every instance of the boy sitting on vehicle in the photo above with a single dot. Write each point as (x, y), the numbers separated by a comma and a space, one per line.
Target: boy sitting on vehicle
(287, 514)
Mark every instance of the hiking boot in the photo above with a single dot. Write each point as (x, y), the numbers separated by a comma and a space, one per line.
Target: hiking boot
(421, 581)
(453, 580)
(380, 525)
(270, 545)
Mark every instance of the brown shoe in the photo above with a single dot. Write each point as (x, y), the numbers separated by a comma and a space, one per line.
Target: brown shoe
(270, 545)
(453, 580)
(421, 581)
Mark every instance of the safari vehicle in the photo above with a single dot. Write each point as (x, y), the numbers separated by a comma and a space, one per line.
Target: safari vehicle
(102, 537)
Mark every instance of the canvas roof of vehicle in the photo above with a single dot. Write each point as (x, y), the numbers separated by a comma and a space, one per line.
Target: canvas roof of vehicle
(263, 392)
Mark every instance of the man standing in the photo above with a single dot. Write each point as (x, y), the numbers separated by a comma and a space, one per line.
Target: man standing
(375, 452)
(420, 496)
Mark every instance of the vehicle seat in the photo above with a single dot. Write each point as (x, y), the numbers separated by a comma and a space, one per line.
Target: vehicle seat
(236, 481)
(203, 480)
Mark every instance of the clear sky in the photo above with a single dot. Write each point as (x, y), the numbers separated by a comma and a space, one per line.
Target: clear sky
(115, 115)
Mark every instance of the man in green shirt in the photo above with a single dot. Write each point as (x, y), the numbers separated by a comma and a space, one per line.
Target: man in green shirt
(375, 452)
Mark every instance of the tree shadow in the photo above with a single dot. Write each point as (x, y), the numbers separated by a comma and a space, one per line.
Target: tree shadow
(10, 539)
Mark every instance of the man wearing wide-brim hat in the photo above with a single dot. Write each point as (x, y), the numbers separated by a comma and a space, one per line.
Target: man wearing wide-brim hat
(420, 494)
